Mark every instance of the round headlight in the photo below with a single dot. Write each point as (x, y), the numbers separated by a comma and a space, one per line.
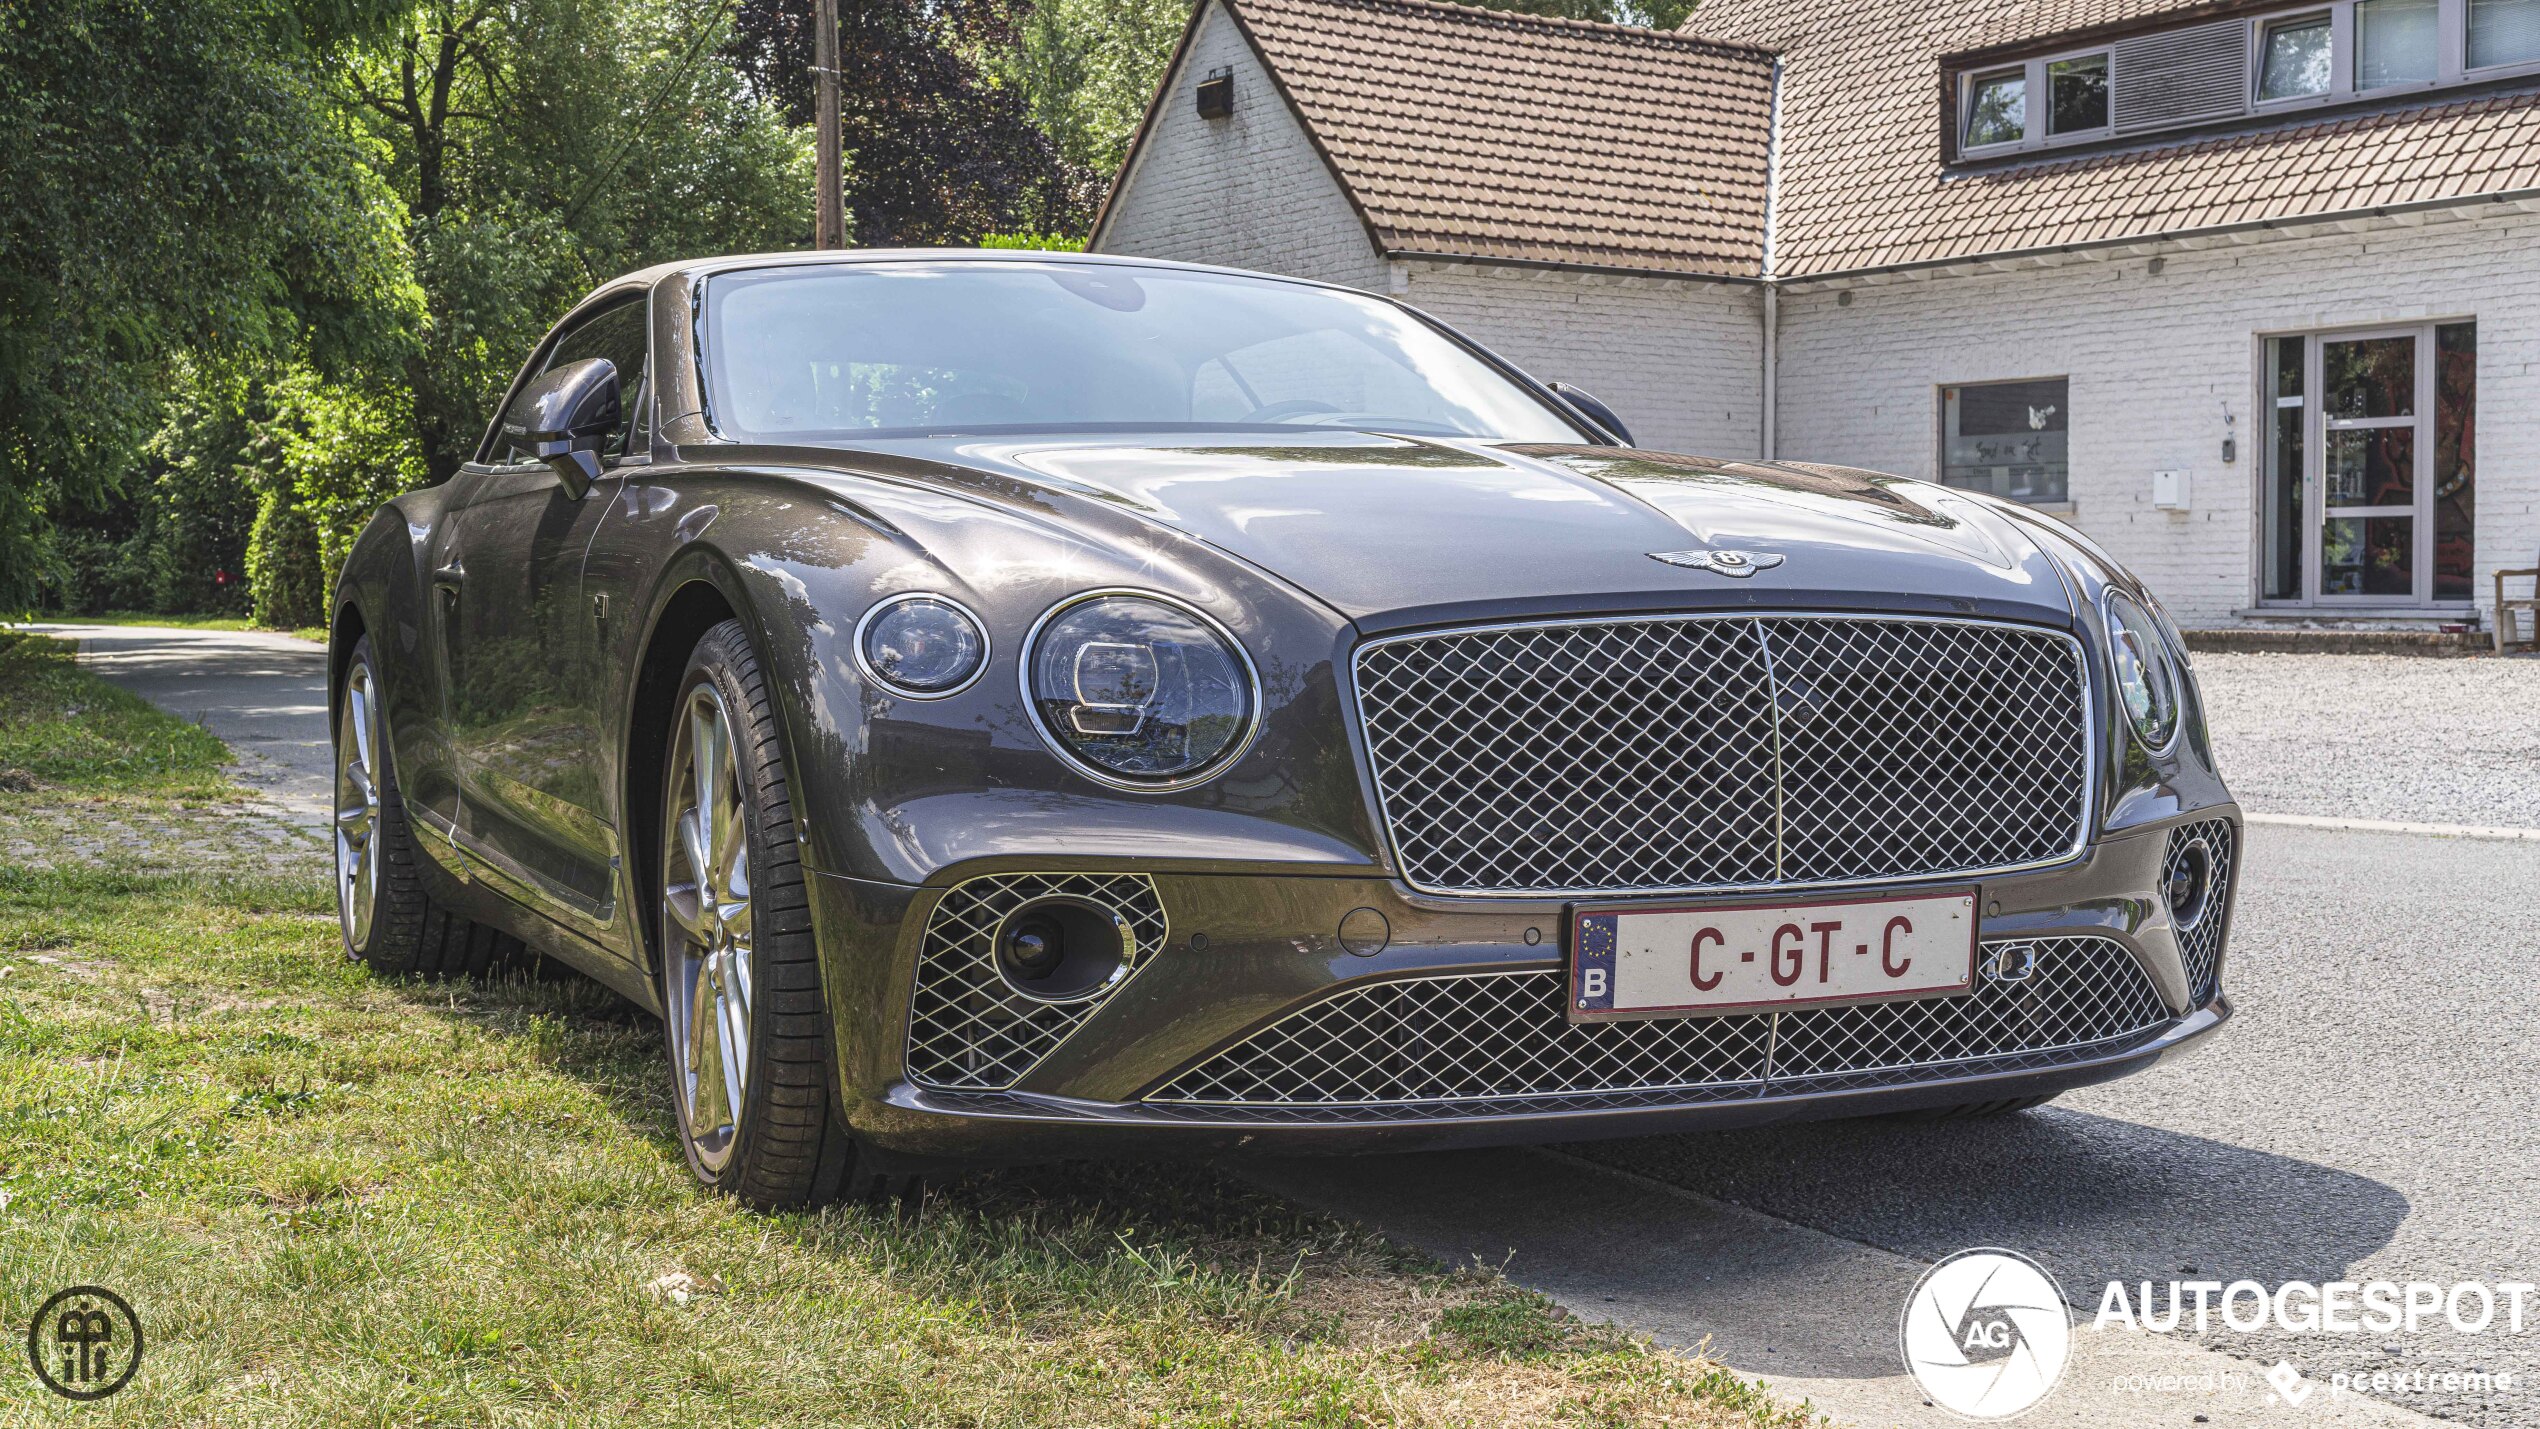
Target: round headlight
(922, 646)
(1142, 692)
(2147, 675)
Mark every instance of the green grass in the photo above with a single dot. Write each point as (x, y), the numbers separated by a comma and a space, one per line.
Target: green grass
(62, 727)
(178, 622)
(341, 1200)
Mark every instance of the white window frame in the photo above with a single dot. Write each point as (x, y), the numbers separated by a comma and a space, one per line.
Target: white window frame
(2451, 71)
(2451, 56)
(2317, 426)
(2040, 106)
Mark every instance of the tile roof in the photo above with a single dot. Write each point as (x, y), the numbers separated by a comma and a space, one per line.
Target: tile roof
(1862, 186)
(1483, 133)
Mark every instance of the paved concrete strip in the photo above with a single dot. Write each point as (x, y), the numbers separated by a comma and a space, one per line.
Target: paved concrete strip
(264, 694)
(2386, 826)
(1811, 1315)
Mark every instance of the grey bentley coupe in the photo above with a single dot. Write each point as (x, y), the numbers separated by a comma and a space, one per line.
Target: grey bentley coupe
(1006, 706)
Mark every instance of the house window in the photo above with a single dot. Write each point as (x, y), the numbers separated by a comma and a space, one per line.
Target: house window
(2503, 32)
(1997, 109)
(2077, 94)
(2007, 438)
(2397, 42)
(2213, 71)
(2295, 62)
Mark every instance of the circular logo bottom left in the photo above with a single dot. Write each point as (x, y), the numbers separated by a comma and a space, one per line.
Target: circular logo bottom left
(1986, 1333)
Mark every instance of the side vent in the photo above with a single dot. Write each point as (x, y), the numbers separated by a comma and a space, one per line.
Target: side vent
(2181, 76)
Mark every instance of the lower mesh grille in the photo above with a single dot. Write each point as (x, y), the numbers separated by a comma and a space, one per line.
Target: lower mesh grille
(1487, 1037)
(969, 1031)
(2201, 947)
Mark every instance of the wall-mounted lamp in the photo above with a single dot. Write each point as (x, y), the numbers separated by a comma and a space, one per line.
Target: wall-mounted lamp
(2231, 443)
(1217, 94)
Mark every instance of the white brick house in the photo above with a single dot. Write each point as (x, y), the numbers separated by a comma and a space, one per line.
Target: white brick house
(2225, 285)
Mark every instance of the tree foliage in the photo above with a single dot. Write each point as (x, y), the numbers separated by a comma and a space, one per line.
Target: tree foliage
(540, 147)
(176, 185)
(1086, 69)
(941, 149)
(265, 263)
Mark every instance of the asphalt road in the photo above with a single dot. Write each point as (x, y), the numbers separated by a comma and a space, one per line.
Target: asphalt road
(2369, 1114)
(264, 694)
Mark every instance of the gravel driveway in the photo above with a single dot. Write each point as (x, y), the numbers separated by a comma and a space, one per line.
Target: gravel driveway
(2394, 737)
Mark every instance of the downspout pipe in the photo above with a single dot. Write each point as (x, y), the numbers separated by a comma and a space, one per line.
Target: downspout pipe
(1772, 316)
(1772, 370)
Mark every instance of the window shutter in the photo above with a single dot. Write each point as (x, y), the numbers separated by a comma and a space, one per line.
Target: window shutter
(2181, 76)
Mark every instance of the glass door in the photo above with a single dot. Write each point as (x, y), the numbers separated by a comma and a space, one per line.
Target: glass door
(2370, 527)
(2367, 482)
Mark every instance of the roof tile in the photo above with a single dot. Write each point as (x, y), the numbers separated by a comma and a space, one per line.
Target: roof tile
(1862, 183)
(1492, 134)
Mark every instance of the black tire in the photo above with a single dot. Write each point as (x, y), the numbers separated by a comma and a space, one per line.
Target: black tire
(408, 933)
(1977, 1111)
(789, 1145)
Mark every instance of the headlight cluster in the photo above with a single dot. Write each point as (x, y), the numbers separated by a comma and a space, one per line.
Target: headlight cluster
(2149, 680)
(1140, 691)
(922, 646)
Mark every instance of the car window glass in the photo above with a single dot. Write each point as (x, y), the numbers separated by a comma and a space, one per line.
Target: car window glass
(1013, 346)
(616, 333)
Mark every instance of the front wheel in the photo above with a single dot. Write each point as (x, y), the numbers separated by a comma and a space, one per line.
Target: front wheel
(743, 1012)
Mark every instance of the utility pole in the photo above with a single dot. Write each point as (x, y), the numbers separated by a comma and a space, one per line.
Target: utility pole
(829, 219)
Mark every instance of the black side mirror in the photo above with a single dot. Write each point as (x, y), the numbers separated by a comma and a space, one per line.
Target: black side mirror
(1586, 405)
(563, 416)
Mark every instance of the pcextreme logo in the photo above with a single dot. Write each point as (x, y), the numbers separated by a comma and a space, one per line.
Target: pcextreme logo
(1986, 1333)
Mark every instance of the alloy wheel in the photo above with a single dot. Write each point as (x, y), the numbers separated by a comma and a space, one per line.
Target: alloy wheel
(706, 925)
(357, 762)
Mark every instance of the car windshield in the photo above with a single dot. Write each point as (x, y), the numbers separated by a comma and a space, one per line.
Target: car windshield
(963, 348)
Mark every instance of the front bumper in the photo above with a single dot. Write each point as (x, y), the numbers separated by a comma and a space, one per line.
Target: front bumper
(1231, 958)
(1023, 1127)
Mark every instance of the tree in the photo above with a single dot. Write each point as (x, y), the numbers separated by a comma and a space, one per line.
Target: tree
(1087, 68)
(540, 147)
(941, 151)
(176, 185)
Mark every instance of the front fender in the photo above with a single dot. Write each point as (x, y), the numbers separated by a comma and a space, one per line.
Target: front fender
(890, 789)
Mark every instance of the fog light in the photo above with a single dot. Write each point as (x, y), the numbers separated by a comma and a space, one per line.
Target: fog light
(2190, 884)
(1062, 949)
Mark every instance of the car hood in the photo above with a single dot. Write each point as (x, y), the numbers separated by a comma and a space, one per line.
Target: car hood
(1394, 532)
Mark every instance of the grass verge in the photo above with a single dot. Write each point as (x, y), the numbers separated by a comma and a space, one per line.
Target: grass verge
(336, 1200)
(180, 622)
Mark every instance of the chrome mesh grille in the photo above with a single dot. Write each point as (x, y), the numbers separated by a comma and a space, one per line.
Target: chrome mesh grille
(1691, 753)
(967, 1030)
(2201, 946)
(1491, 1037)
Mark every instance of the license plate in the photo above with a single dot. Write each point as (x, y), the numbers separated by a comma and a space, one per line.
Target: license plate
(1687, 961)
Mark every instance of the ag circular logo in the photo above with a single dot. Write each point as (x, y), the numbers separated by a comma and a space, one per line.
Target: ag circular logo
(85, 1343)
(1986, 1333)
